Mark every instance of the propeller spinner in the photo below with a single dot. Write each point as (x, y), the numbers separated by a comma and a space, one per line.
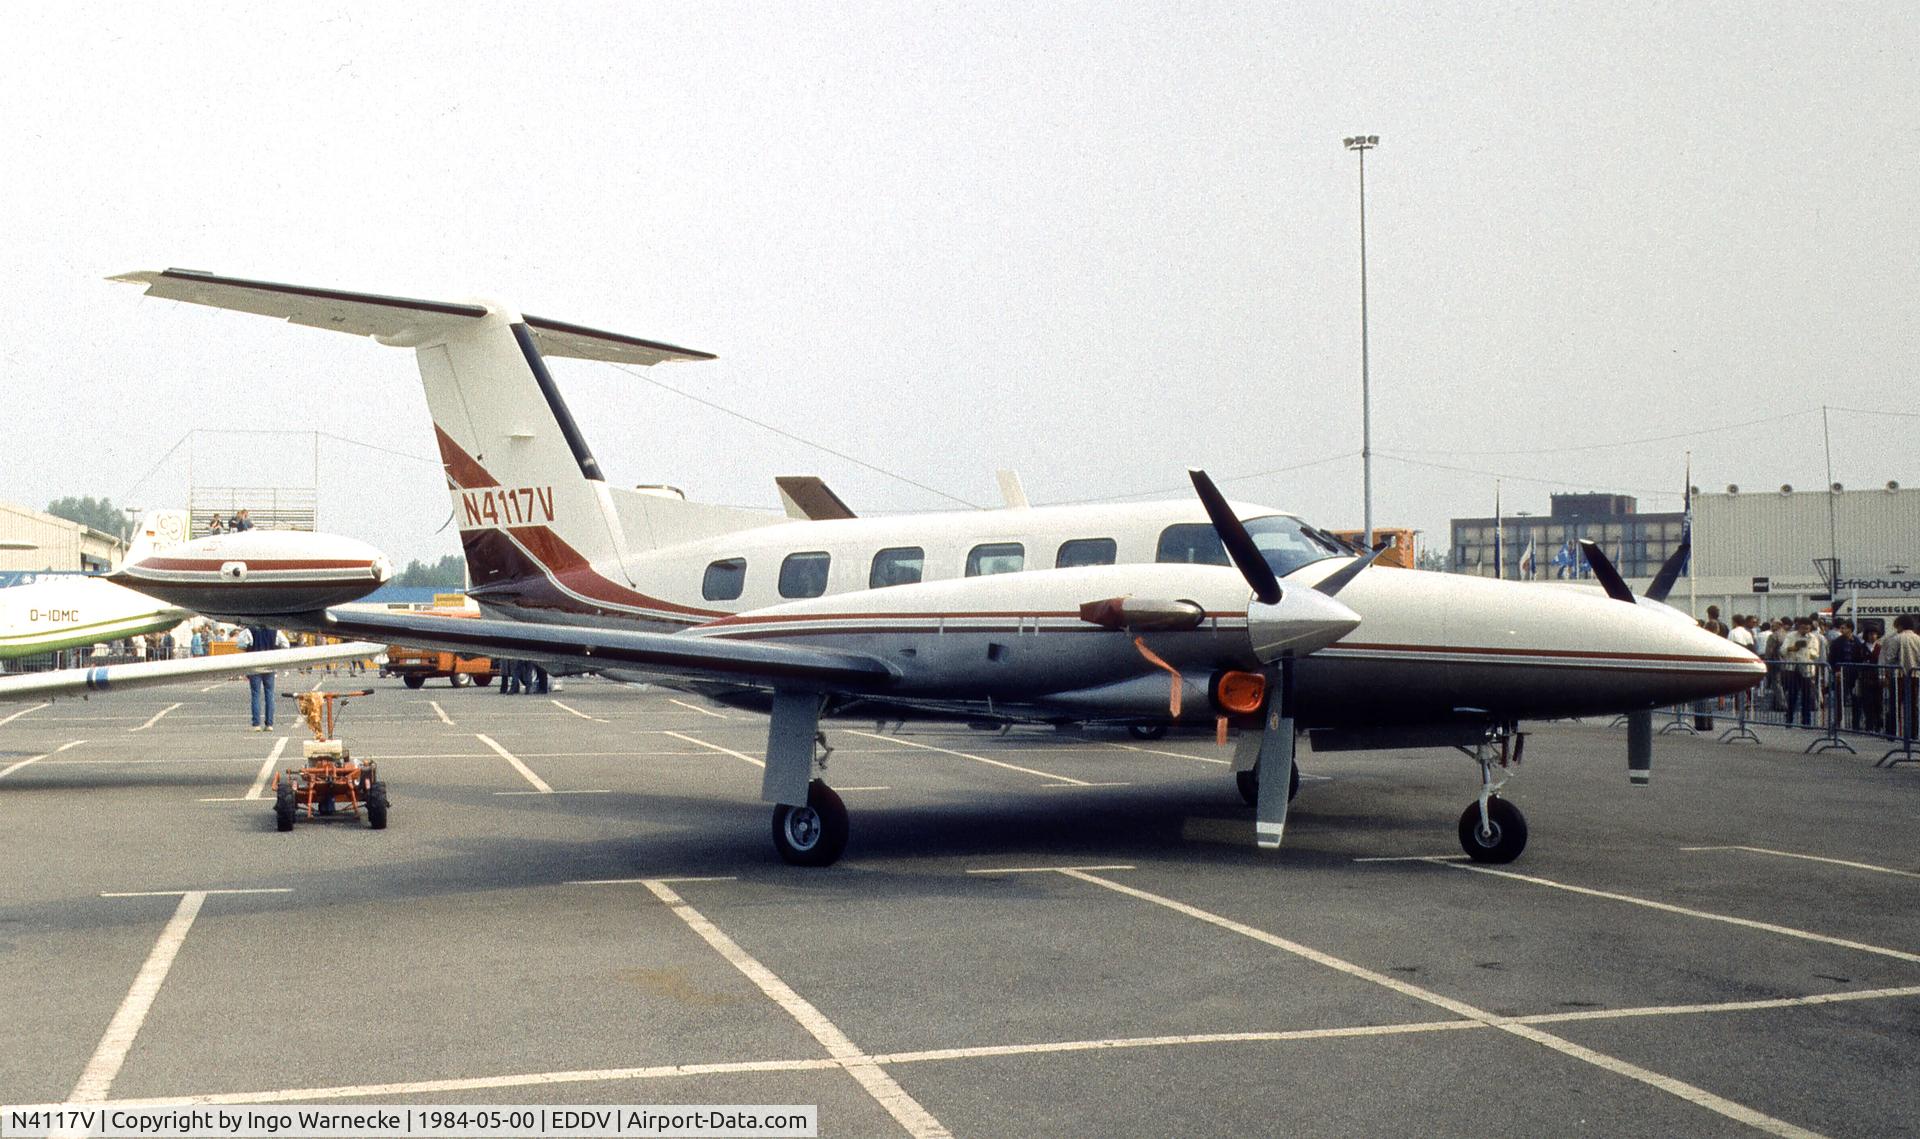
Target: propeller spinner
(1281, 622)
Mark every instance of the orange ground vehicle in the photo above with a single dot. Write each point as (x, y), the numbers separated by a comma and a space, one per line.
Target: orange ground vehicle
(417, 666)
(1400, 549)
(332, 784)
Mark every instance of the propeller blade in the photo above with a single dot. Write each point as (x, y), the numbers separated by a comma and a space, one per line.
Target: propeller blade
(1338, 579)
(1616, 586)
(1639, 747)
(1669, 571)
(1234, 536)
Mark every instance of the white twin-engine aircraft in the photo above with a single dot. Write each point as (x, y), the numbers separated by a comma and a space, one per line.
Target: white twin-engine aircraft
(242, 574)
(1139, 614)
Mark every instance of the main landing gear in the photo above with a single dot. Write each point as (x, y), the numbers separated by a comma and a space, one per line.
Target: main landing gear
(809, 820)
(813, 835)
(1493, 829)
(1249, 784)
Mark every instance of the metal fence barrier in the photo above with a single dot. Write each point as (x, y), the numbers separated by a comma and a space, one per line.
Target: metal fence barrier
(1839, 701)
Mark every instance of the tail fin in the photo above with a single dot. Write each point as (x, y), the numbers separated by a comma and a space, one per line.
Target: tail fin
(534, 509)
(158, 530)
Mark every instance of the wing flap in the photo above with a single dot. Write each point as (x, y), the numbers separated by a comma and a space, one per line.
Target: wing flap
(589, 648)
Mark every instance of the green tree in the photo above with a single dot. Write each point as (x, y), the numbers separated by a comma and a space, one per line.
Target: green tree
(449, 572)
(99, 513)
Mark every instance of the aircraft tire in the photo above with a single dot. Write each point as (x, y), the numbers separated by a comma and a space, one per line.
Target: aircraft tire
(1249, 784)
(1145, 732)
(377, 805)
(813, 835)
(413, 680)
(283, 809)
(1509, 835)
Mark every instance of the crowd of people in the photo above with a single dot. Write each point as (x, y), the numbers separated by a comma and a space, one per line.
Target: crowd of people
(1831, 672)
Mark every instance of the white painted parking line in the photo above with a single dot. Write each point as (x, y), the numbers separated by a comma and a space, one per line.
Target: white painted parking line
(539, 784)
(97, 1077)
(1723, 1006)
(990, 1050)
(257, 792)
(25, 711)
(216, 684)
(643, 881)
(1174, 754)
(440, 712)
(154, 719)
(1045, 869)
(9, 770)
(1418, 858)
(1668, 907)
(1074, 785)
(718, 748)
(550, 791)
(1700, 1097)
(1809, 858)
(977, 758)
(577, 712)
(844, 790)
(699, 709)
(905, 1110)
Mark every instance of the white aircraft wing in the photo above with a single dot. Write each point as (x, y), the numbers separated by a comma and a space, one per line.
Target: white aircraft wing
(117, 677)
(591, 649)
(399, 320)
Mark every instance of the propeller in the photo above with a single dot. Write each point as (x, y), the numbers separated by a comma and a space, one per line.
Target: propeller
(1282, 628)
(1239, 543)
(1669, 572)
(1338, 579)
(1639, 724)
(1609, 578)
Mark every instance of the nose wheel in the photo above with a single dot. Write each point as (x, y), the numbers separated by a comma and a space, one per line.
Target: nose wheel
(1492, 829)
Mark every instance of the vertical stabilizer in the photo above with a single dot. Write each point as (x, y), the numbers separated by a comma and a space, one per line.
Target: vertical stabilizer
(158, 530)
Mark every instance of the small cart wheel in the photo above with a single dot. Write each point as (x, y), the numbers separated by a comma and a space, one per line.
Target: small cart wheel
(377, 806)
(283, 809)
(413, 680)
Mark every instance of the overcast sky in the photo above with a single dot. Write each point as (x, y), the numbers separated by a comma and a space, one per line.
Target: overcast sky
(1095, 243)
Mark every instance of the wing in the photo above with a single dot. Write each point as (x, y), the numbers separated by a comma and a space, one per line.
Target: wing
(590, 648)
(117, 677)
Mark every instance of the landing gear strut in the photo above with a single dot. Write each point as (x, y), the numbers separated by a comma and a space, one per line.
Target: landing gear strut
(1493, 829)
(809, 820)
(1249, 784)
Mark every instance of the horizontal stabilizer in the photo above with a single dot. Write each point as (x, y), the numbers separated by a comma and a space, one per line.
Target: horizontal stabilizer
(392, 320)
(808, 496)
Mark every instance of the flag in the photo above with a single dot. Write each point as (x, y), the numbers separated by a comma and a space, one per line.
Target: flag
(1563, 560)
(1527, 566)
(1499, 528)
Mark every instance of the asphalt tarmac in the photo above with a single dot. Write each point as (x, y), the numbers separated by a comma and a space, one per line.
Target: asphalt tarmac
(1036, 933)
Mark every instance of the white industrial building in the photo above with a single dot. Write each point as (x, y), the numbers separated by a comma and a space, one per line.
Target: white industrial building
(1743, 538)
(34, 541)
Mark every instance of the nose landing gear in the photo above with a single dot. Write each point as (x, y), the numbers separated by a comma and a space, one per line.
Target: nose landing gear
(1492, 829)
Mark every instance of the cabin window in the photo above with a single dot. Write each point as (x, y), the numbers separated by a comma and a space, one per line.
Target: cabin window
(996, 557)
(1193, 543)
(901, 565)
(804, 575)
(725, 579)
(1086, 552)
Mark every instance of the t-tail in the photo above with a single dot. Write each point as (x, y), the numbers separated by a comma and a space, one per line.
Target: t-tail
(544, 533)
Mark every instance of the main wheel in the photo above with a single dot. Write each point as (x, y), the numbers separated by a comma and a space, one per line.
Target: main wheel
(483, 678)
(1249, 784)
(283, 809)
(813, 835)
(1147, 731)
(414, 680)
(1505, 837)
(377, 806)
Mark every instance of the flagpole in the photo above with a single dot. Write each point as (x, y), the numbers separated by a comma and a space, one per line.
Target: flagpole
(1499, 534)
(1686, 529)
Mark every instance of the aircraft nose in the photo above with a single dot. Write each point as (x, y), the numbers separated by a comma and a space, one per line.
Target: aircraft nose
(1303, 620)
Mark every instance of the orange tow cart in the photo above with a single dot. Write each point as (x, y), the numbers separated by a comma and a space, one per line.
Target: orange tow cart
(331, 785)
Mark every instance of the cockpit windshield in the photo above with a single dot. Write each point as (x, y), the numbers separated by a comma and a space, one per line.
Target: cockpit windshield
(1288, 543)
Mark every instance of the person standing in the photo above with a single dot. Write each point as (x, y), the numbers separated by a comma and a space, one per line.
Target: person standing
(1712, 623)
(1741, 634)
(1900, 654)
(260, 694)
(1846, 654)
(1800, 659)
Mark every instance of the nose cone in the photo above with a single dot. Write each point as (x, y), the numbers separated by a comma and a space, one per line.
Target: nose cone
(260, 573)
(1303, 620)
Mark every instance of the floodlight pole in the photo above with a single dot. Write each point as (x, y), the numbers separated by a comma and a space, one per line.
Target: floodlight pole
(1363, 143)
